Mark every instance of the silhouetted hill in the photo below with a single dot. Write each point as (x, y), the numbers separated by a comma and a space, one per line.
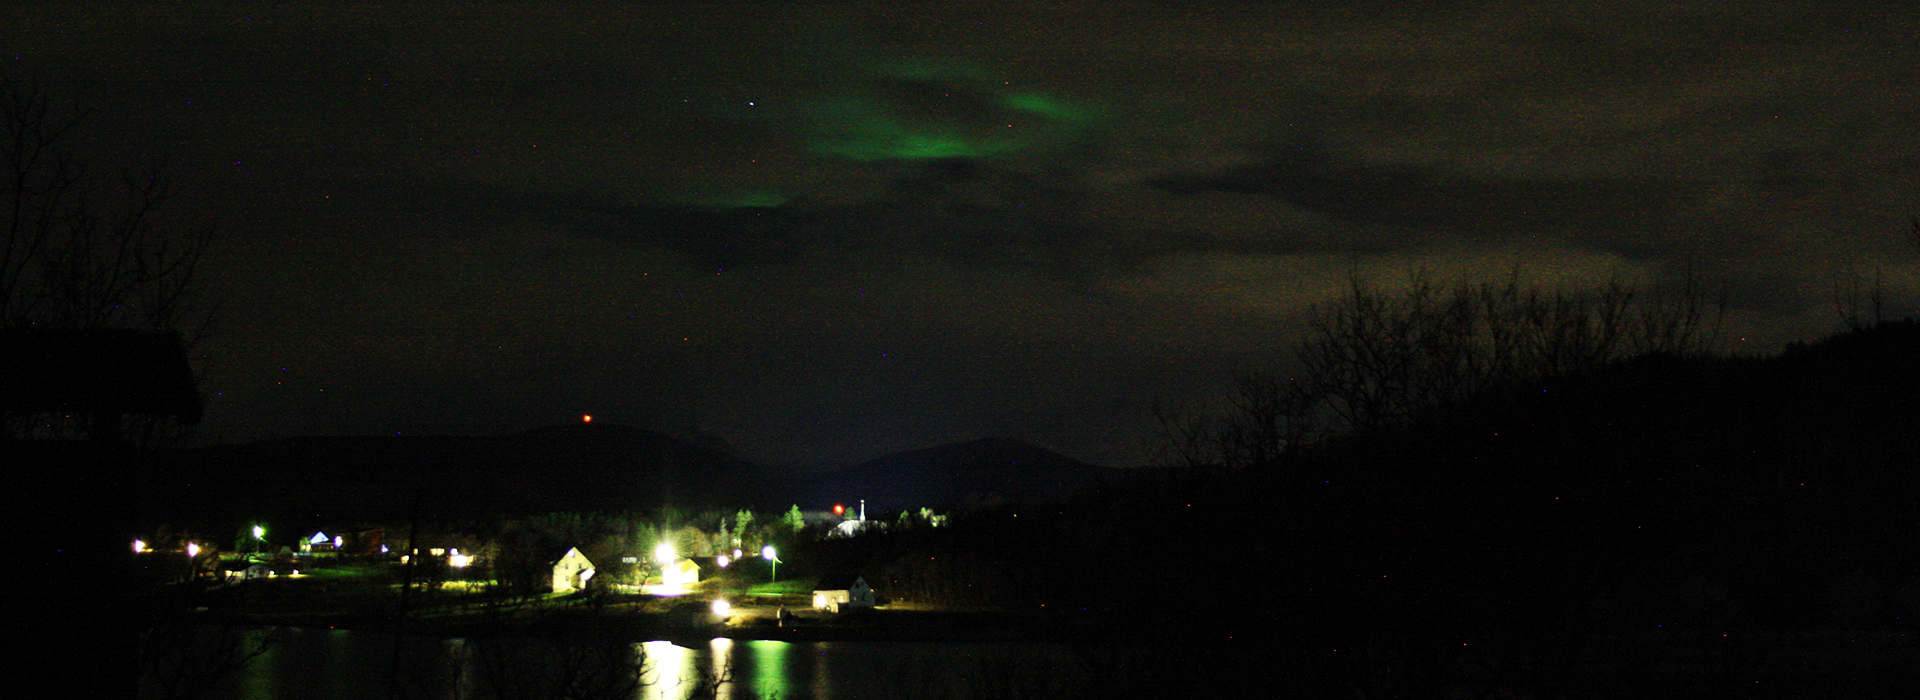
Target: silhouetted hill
(566, 468)
(977, 473)
(1842, 412)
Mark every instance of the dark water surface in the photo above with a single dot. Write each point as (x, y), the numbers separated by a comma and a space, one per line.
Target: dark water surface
(328, 664)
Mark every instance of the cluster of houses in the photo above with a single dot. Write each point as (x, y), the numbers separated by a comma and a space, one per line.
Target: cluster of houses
(834, 593)
(572, 571)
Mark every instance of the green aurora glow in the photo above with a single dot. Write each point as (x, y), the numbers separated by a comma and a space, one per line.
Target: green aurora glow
(868, 125)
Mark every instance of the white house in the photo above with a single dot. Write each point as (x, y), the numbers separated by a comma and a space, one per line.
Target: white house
(680, 574)
(572, 571)
(318, 542)
(836, 593)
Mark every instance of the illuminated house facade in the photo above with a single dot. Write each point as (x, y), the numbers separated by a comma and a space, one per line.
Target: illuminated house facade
(319, 542)
(572, 571)
(680, 574)
(837, 593)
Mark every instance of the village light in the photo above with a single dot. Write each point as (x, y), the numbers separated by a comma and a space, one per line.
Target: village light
(139, 546)
(459, 561)
(767, 553)
(193, 550)
(664, 553)
(721, 608)
(723, 561)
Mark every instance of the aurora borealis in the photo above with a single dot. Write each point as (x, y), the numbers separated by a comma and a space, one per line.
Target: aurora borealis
(827, 231)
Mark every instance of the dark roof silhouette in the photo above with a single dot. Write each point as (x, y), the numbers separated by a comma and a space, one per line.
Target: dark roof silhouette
(103, 371)
(836, 582)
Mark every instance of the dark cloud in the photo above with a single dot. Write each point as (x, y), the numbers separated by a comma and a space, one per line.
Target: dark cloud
(824, 231)
(1463, 207)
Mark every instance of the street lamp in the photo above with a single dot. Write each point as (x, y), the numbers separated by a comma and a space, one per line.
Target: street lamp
(259, 533)
(767, 554)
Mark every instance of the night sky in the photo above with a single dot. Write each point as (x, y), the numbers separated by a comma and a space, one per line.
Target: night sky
(827, 232)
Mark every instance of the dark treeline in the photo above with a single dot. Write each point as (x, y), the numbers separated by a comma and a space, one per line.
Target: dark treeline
(1652, 520)
(1375, 359)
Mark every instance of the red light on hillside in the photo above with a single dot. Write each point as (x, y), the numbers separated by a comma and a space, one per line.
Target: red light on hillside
(839, 509)
(586, 419)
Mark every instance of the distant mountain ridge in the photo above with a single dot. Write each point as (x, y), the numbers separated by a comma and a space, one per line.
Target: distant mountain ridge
(975, 473)
(553, 469)
(576, 468)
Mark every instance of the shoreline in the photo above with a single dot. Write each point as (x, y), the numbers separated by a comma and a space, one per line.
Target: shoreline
(904, 623)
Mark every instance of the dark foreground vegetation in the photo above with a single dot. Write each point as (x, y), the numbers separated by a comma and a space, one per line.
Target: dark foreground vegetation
(1663, 524)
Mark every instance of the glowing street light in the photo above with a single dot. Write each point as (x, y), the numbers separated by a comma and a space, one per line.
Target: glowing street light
(193, 550)
(664, 553)
(768, 554)
(139, 546)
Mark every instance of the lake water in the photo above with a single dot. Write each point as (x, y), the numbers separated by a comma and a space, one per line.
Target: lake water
(325, 664)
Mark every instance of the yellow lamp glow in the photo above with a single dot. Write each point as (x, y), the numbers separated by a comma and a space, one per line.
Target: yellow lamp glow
(664, 553)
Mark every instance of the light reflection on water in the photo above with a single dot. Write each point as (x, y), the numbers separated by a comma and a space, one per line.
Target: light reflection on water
(317, 664)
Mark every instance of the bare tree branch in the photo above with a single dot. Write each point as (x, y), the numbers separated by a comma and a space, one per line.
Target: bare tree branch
(80, 252)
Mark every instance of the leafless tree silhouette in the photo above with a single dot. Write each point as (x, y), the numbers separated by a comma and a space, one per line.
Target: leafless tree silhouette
(89, 251)
(1376, 358)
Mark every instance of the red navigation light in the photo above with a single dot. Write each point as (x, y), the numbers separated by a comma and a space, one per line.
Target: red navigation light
(586, 419)
(839, 509)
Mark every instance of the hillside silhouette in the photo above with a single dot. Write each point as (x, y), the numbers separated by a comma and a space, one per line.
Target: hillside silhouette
(555, 469)
(1663, 525)
(584, 468)
(968, 474)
